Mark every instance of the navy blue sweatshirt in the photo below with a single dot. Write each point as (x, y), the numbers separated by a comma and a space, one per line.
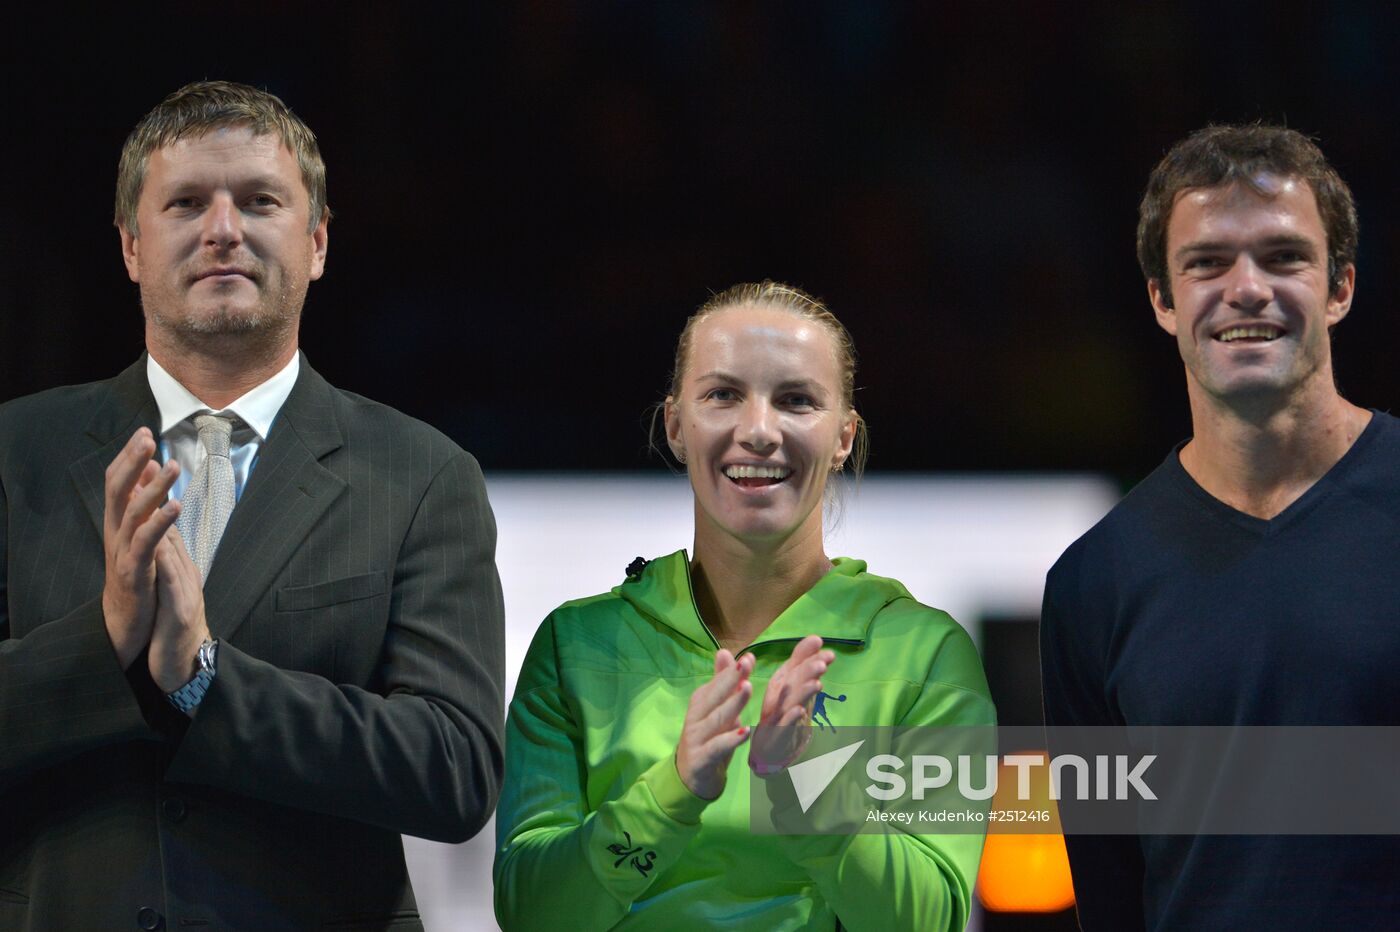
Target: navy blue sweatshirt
(1176, 609)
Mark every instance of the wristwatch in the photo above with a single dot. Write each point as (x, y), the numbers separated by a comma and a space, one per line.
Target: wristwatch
(188, 697)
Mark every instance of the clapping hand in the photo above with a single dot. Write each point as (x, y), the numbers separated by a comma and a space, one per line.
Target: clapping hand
(712, 731)
(135, 519)
(785, 722)
(180, 626)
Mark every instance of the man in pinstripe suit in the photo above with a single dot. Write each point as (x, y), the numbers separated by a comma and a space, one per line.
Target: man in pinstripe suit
(234, 740)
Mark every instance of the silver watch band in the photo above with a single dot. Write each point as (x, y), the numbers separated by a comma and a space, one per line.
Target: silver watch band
(188, 697)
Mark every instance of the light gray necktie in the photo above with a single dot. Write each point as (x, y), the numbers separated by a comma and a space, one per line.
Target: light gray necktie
(208, 498)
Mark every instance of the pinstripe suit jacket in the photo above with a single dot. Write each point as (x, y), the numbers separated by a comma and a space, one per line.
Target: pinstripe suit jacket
(358, 693)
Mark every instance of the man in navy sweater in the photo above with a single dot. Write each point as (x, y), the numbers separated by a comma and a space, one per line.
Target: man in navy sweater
(1250, 579)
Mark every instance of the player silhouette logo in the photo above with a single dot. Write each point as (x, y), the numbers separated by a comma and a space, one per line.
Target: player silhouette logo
(819, 709)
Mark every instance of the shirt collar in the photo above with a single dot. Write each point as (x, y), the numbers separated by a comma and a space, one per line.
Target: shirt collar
(257, 408)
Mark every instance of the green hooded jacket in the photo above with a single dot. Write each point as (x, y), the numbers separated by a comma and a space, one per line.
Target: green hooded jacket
(595, 829)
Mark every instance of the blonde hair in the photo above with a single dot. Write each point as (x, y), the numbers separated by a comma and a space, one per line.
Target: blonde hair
(198, 108)
(799, 303)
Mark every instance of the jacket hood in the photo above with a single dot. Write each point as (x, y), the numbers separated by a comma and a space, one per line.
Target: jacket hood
(840, 607)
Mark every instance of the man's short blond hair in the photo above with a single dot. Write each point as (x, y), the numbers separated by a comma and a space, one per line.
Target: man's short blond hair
(198, 108)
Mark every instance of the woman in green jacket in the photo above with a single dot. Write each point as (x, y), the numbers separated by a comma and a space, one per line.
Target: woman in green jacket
(626, 799)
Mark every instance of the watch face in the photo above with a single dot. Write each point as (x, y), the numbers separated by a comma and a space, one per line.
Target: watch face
(208, 655)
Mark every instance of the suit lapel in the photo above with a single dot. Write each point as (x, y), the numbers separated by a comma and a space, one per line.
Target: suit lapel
(286, 494)
(126, 407)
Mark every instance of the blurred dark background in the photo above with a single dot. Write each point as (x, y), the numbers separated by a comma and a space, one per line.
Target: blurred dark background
(530, 198)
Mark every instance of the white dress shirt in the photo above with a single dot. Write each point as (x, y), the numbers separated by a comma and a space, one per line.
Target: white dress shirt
(253, 414)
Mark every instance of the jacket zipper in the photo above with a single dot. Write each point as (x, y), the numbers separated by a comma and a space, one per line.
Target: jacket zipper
(825, 640)
(690, 590)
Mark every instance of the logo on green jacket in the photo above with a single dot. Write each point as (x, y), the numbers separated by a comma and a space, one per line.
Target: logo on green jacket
(642, 861)
(819, 715)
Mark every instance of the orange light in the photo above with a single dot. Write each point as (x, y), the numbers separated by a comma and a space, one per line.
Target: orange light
(1025, 873)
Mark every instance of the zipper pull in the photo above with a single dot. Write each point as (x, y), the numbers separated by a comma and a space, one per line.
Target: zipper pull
(634, 569)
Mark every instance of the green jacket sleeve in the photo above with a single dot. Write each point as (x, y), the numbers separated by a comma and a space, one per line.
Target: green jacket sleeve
(556, 858)
(902, 880)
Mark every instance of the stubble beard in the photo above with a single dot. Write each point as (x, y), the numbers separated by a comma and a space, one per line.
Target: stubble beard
(269, 324)
(1258, 399)
(224, 321)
